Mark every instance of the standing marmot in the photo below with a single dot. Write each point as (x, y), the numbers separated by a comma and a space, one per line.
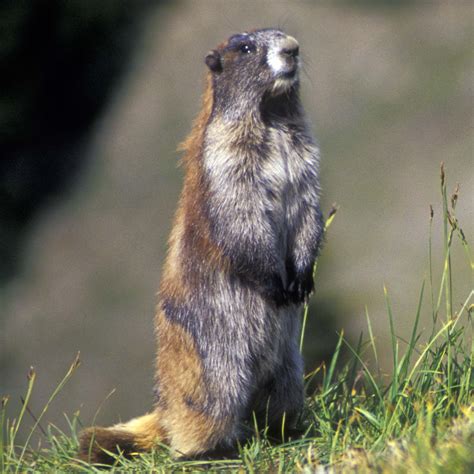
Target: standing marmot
(239, 266)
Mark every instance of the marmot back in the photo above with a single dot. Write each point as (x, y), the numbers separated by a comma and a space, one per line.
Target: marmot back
(239, 267)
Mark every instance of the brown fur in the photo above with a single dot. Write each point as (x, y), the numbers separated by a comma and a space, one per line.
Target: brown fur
(175, 346)
(180, 374)
(189, 222)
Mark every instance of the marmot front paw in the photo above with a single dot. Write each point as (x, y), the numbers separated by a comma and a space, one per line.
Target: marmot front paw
(301, 287)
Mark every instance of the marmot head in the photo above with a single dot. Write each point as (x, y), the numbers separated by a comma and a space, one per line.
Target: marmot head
(251, 65)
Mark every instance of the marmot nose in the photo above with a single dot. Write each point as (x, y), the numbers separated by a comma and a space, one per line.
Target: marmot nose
(290, 47)
(291, 52)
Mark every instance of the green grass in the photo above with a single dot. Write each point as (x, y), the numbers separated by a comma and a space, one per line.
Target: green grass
(420, 418)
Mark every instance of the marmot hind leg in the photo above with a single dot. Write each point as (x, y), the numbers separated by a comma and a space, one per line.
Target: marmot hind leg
(195, 435)
(281, 400)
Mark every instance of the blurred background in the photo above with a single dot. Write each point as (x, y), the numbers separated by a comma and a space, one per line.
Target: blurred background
(95, 97)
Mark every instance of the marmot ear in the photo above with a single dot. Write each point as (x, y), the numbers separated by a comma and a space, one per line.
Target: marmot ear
(213, 61)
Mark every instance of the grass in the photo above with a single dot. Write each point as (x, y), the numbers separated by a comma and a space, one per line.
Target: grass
(420, 418)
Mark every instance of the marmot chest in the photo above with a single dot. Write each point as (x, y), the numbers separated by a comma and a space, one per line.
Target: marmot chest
(259, 176)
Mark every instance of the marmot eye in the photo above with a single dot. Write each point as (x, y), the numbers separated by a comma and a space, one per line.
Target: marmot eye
(247, 48)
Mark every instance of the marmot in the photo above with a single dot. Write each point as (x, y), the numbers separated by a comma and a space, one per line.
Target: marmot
(240, 261)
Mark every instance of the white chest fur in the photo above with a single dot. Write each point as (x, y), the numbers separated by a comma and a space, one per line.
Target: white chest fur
(260, 182)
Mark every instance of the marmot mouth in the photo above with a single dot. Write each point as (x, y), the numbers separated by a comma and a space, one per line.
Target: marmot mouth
(289, 74)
